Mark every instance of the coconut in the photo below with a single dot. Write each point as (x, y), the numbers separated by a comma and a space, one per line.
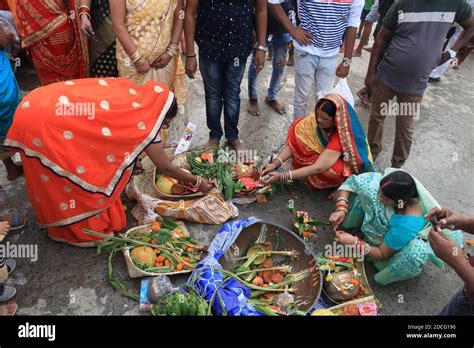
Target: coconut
(143, 255)
(164, 184)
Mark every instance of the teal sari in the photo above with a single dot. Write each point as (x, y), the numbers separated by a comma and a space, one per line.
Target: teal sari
(10, 96)
(369, 216)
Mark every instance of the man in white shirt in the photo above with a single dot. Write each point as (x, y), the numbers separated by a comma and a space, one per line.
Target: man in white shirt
(323, 24)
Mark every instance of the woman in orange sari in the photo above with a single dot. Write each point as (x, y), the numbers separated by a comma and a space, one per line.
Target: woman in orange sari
(58, 51)
(326, 147)
(79, 141)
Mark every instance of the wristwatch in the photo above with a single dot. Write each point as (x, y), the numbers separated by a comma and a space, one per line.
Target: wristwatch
(262, 48)
(346, 62)
(452, 53)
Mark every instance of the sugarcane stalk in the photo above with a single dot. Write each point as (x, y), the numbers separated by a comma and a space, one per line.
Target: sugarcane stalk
(293, 254)
(125, 240)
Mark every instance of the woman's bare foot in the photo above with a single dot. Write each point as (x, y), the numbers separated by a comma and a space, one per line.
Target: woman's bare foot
(253, 108)
(333, 195)
(8, 309)
(13, 170)
(276, 106)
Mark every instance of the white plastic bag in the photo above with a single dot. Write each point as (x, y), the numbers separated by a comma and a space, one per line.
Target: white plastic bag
(342, 88)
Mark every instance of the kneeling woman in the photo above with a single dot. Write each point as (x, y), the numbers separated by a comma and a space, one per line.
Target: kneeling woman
(79, 142)
(389, 212)
(326, 147)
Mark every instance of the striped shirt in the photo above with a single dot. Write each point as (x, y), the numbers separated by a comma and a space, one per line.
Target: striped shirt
(327, 21)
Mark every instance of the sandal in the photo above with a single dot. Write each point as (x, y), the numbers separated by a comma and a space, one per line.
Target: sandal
(17, 222)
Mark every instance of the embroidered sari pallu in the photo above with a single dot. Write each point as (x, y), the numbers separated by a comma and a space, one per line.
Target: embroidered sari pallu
(307, 143)
(77, 164)
(57, 49)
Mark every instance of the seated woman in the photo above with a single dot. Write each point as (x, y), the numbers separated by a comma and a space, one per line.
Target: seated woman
(389, 212)
(327, 147)
(79, 141)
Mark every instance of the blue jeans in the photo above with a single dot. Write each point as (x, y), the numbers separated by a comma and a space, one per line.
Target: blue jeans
(281, 47)
(222, 89)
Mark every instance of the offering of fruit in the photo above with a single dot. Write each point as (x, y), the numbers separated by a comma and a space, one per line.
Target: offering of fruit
(143, 255)
(164, 184)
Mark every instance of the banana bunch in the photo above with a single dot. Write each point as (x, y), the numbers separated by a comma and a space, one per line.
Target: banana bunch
(180, 304)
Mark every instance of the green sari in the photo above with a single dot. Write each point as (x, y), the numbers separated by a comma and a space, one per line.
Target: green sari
(369, 216)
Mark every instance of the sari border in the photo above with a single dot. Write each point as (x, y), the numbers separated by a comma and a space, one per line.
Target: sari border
(44, 32)
(343, 126)
(108, 191)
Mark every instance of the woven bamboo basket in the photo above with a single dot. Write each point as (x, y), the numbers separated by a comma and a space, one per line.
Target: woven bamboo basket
(340, 308)
(133, 270)
(145, 182)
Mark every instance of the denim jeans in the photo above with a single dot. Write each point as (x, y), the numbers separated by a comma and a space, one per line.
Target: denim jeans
(222, 89)
(311, 69)
(280, 44)
(459, 305)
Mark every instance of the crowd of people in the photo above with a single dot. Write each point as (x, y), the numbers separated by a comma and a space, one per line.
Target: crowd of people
(132, 60)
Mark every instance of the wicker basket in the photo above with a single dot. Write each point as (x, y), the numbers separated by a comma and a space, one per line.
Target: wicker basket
(337, 310)
(136, 272)
(145, 182)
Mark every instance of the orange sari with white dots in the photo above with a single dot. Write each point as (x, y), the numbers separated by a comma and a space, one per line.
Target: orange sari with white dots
(79, 141)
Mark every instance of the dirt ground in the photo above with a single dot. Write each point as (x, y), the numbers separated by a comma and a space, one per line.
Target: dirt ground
(68, 280)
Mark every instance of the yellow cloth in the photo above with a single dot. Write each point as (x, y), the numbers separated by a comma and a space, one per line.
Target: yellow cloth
(306, 132)
(150, 25)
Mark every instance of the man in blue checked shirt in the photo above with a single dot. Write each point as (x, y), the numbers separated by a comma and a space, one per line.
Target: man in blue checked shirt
(317, 40)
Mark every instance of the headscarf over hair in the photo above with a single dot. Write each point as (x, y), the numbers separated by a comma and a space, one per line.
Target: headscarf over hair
(399, 185)
(327, 106)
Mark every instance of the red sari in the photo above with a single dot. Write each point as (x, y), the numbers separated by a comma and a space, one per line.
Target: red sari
(349, 139)
(76, 162)
(58, 50)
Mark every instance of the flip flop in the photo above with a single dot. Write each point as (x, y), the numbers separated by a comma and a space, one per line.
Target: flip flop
(17, 222)
(7, 292)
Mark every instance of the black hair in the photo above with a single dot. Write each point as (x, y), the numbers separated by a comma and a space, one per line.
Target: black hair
(173, 110)
(327, 106)
(399, 186)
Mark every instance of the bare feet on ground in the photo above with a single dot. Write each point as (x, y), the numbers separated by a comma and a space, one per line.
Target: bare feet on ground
(276, 106)
(252, 108)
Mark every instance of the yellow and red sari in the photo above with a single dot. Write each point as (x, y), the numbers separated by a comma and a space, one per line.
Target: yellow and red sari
(58, 51)
(79, 141)
(306, 145)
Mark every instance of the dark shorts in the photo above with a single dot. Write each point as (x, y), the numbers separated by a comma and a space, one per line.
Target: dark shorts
(364, 14)
(459, 305)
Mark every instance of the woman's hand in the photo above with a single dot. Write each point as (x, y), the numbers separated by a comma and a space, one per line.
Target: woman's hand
(344, 238)
(337, 218)
(86, 26)
(162, 61)
(191, 66)
(206, 185)
(143, 66)
(272, 177)
(267, 168)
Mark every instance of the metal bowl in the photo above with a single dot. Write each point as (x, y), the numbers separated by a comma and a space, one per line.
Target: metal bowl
(309, 289)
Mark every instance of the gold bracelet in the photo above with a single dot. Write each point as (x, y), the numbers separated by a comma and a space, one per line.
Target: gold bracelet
(137, 56)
